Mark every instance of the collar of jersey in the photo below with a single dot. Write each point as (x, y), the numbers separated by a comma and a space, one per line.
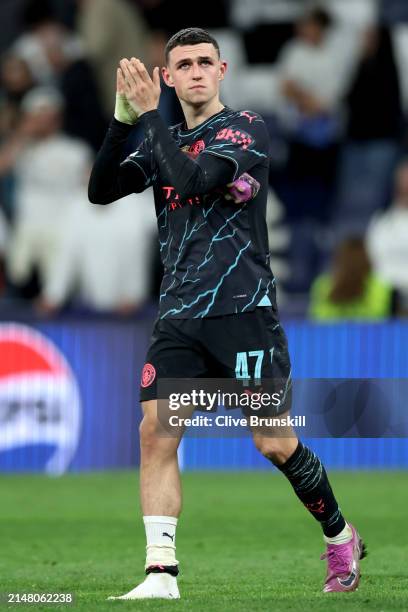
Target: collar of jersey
(184, 133)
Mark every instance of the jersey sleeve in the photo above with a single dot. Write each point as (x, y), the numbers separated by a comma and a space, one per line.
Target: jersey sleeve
(110, 179)
(140, 161)
(244, 142)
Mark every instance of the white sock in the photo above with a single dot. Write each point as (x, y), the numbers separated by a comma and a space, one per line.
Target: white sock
(160, 540)
(341, 538)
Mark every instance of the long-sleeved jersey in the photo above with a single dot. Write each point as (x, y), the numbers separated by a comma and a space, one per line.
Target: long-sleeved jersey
(215, 253)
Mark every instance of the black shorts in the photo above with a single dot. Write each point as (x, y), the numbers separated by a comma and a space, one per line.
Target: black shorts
(246, 345)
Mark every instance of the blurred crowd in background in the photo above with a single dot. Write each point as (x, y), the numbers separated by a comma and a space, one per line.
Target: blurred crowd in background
(331, 81)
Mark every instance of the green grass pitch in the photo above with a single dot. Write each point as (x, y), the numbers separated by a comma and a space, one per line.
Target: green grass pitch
(244, 542)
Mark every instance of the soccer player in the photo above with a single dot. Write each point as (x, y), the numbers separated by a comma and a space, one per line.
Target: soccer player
(217, 303)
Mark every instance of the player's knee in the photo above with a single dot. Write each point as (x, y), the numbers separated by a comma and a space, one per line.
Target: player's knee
(148, 433)
(154, 445)
(274, 449)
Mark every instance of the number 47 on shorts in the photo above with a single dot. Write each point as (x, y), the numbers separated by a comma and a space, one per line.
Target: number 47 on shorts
(242, 364)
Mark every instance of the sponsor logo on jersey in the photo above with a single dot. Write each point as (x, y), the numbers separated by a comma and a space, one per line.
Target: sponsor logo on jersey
(39, 397)
(173, 200)
(238, 137)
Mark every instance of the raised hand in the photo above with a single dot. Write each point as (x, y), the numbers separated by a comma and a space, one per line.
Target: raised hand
(142, 92)
(123, 110)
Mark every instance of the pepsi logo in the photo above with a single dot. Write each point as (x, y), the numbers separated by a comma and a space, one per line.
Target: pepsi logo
(39, 396)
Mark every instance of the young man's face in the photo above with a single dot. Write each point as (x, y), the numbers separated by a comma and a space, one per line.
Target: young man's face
(195, 71)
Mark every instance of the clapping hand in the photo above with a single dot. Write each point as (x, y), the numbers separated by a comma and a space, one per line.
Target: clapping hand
(142, 92)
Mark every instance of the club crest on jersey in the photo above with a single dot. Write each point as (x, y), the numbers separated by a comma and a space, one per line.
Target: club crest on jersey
(194, 149)
(238, 137)
(148, 375)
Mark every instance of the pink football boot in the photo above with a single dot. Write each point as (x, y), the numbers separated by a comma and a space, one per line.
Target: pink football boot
(343, 564)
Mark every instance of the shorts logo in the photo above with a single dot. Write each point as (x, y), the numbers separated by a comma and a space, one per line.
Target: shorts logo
(148, 375)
